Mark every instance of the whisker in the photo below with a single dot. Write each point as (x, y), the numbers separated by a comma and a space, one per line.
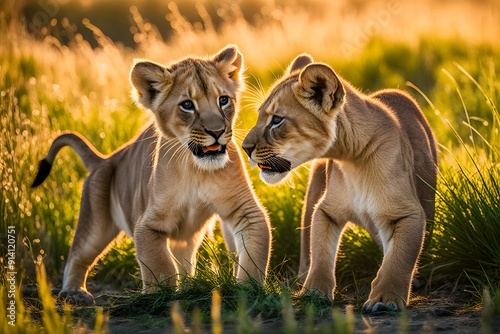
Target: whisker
(256, 90)
(239, 137)
(185, 154)
(179, 151)
(175, 146)
(282, 70)
(297, 175)
(241, 131)
(146, 138)
(238, 123)
(255, 95)
(168, 142)
(172, 143)
(295, 160)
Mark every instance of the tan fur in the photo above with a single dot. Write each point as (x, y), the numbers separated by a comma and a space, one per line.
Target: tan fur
(157, 190)
(378, 169)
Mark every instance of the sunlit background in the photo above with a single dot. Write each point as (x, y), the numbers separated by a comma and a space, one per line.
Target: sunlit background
(276, 27)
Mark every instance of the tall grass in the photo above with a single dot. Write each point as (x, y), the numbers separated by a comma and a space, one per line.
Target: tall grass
(466, 238)
(214, 295)
(47, 87)
(41, 315)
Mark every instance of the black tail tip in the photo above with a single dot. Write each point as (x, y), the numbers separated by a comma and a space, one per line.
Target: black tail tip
(44, 168)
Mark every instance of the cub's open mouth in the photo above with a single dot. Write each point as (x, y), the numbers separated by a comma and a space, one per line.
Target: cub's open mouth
(204, 151)
(275, 165)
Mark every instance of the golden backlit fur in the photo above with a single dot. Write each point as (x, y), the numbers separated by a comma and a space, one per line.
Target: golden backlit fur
(376, 166)
(166, 187)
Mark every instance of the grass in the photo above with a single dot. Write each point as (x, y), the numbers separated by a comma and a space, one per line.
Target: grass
(46, 88)
(43, 314)
(466, 231)
(213, 295)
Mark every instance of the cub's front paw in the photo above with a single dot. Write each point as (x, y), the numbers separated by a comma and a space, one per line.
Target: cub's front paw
(322, 288)
(314, 291)
(384, 302)
(316, 296)
(77, 296)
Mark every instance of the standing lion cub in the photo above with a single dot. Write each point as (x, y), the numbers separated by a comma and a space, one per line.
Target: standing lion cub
(378, 169)
(164, 187)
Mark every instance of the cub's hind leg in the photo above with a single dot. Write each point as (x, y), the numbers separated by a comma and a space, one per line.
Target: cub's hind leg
(94, 232)
(390, 290)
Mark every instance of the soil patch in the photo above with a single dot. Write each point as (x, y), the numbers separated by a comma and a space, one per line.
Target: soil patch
(432, 314)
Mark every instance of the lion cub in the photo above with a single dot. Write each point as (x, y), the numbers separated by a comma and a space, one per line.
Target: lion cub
(379, 170)
(165, 187)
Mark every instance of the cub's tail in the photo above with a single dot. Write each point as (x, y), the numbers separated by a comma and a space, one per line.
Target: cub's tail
(90, 156)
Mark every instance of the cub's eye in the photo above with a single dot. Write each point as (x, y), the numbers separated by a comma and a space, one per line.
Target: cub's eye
(187, 106)
(223, 100)
(276, 121)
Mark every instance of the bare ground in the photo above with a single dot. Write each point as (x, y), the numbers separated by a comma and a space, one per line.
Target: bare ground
(437, 313)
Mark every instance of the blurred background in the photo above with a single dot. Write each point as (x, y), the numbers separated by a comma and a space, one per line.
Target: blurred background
(341, 27)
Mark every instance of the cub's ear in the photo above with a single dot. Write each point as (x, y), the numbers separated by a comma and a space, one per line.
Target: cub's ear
(319, 89)
(149, 80)
(299, 63)
(229, 62)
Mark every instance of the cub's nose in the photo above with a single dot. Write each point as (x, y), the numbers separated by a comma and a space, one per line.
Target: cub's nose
(215, 134)
(248, 149)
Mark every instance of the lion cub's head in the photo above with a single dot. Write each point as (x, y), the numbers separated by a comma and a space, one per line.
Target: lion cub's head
(296, 121)
(194, 102)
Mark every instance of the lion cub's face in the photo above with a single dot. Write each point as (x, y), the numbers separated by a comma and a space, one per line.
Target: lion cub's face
(296, 121)
(194, 102)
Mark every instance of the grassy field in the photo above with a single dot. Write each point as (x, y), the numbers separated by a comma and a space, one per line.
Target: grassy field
(59, 79)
